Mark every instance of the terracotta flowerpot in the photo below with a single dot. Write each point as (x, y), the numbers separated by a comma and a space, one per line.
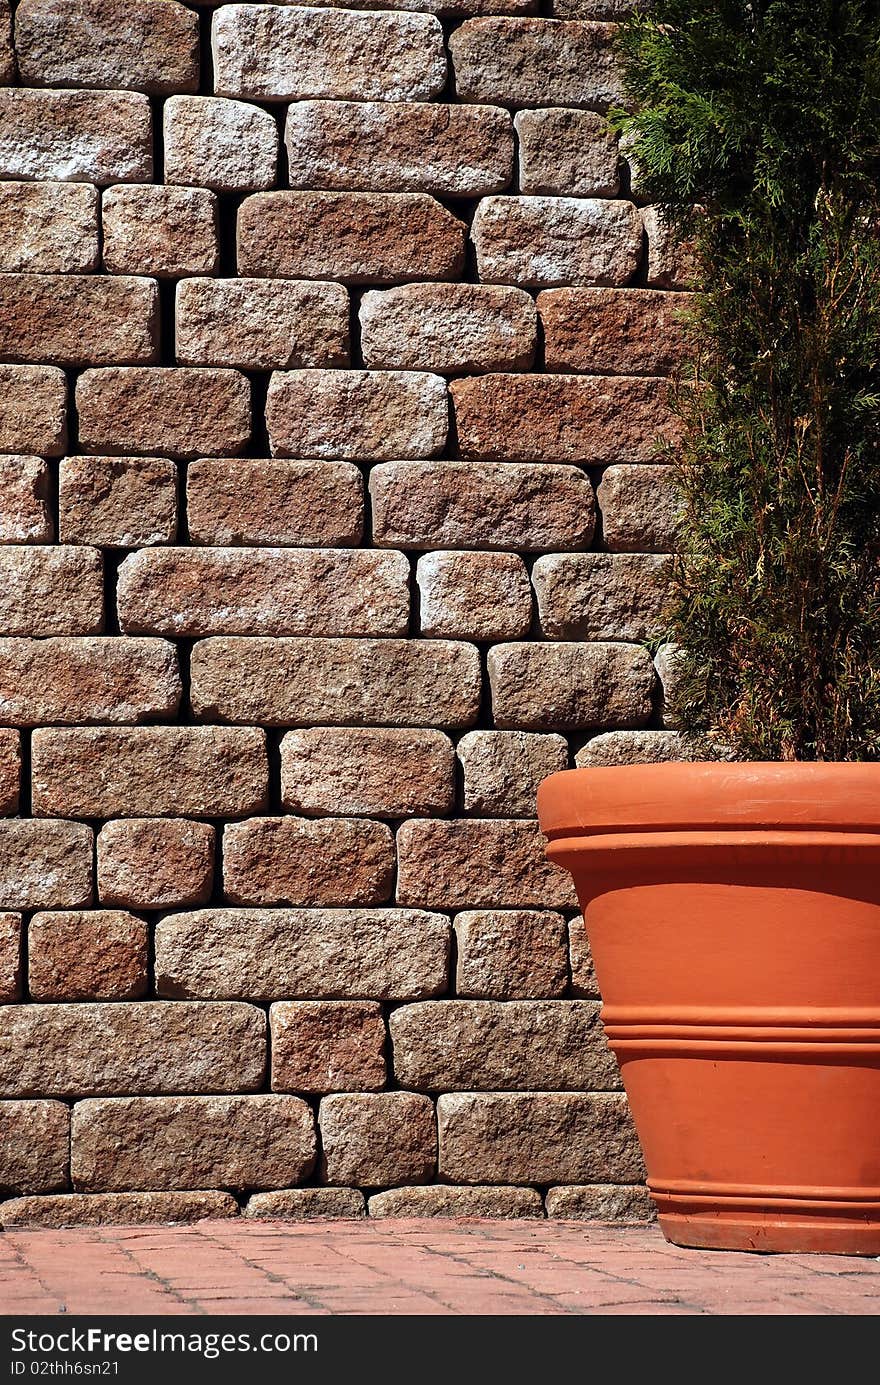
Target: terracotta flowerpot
(734, 917)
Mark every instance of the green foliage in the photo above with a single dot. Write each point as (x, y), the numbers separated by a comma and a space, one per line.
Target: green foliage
(767, 115)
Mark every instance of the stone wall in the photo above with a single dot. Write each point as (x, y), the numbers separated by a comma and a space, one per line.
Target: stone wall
(332, 358)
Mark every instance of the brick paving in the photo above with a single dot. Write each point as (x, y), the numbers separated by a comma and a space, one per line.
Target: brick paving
(413, 1267)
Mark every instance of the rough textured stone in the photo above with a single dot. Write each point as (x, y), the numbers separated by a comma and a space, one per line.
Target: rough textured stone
(357, 237)
(463, 505)
(323, 1045)
(542, 241)
(310, 682)
(448, 328)
(566, 152)
(108, 43)
(547, 1137)
(105, 772)
(34, 1146)
(303, 861)
(534, 62)
(307, 1204)
(614, 1202)
(7, 51)
(462, 864)
(511, 954)
(116, 1209)
(75, 136)
(50, 591)
(377, 1138)
(372, 773)
(502, 770)
(259, 954)
(33, 407)
(474, 596)
(10, 770)
(143, 1047)
(602, 596)
(25, 516)
(155, 863)
(230, 146)
(260, 591)
(438, 1201)
(370, 414)
(590, 419)
(68, 681)
(130, 1143)
(639, 507)
(490, 1045)
(10, 957)
(393, 146)
(184, 413)
(98, 955)
(631, 331)
(48, 228)
(583, 975)
(633, 748)
(45, 865)
(570, 686)
(274, 54)
(671, 262)
(167, 232)
(74, 320)
(117, 502)
(261, 324)
(277, 502)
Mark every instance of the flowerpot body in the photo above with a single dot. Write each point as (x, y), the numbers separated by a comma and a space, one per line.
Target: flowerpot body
(733, 913)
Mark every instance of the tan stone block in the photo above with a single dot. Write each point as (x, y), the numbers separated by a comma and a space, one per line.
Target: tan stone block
(50, 591)
(307, 1204)
(24, 500)
(230, 146)
(630, 331)
(261, 324)
(671, 261)
(357, 237)
(541, 241)
(45, 865)
(368, 414)
(155, 863)
(142, 1047)
(439, 1201)
(399, 146)
(7, 51)
(474, 596)
(108, 43)
(377, 1138)
(97, 955)
(167, 771)
(274, 54)
(386, 772)
(10, 957)
(258, 954)
(543, 687)
(502, 770)
(535, 62)
(307, 862)
(511, 954)
(565, 152)
(634, 748)
(448, 328)
(34, 1147)
(130, 1143)
(602, 596)
(117, 502)
(116, 1209)
(461, 864)
(182, 412)
(275, 502)
(546, 1137)
(33, 405)
(76, 136)
(48, 228)
(321, 1046)
(593, 420)
(639, 507)
(426, 505)
(167, 232)
(68, 681)
(10, 770)
(609, 1202)
(583, 974)
(264, 591)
